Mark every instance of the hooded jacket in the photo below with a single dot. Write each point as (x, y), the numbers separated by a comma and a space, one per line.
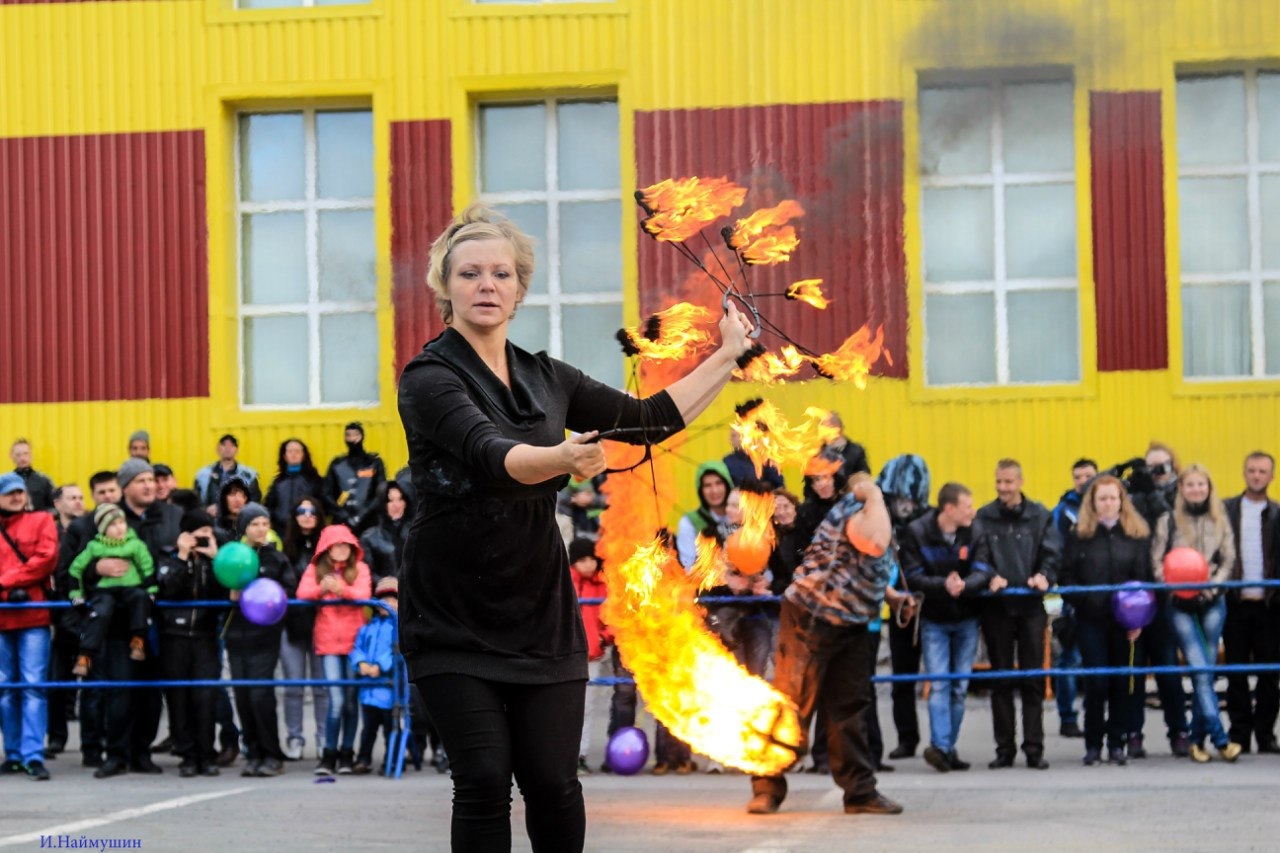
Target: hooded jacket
(1022, 542)
(191, 579)
(701, 520)
(337, 626)
(36, 536)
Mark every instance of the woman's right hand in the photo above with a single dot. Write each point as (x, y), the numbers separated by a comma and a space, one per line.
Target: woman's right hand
(735, 329)
(583, 456)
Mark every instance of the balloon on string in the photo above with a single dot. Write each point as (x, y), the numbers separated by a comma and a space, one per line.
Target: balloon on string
(747, 556)
(1133, 608)
(1185, 565)
(628, 750)
(235, 565)
(264, 602)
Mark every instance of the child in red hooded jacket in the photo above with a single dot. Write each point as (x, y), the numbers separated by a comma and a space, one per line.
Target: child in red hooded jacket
(588, 582)
(337, 572)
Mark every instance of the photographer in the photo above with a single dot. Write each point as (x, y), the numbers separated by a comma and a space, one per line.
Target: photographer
(1152, 481)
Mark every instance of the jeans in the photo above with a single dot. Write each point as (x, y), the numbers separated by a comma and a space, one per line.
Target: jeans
(1112, 704)
(298, 661)
(1198, 636)
(24, 659)
(948, 647)
(344, 709)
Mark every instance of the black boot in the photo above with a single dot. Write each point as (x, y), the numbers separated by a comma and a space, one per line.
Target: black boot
(346, 758)
(328, 760)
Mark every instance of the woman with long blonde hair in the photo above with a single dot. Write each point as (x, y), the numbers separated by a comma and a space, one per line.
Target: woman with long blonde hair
(1198, 520)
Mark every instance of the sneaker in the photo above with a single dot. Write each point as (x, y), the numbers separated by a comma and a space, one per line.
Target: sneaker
(763, 804)
(208, 768)
(1230, 750)
(81, 669)
(937, 759)
(1070, 730)
(188, 769)
(251, 768)
(328, 761)
(11, 766)
(137, 649)
(661, 769)
(956, 764)
(270, 767)
(877, 804)
(363, 768)
(346, 758)
(293, 749)
(1092, 756)
(36, 772)
(1136, 749)
(1199, 754)
(1117, 757)
(1180, 745)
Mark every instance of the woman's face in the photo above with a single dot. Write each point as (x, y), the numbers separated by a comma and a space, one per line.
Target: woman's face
(1106, 501)
(395, 504)
(784, 511)
(733, 507)
(293, 453)
(307, 516)
(824, 486)
(482, 286)
(340, 552)
(1195, 488)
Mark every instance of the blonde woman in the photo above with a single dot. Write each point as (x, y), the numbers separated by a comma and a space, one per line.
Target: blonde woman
(1198, 520)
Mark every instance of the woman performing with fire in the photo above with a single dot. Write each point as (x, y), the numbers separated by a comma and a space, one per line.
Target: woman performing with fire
(490, 625)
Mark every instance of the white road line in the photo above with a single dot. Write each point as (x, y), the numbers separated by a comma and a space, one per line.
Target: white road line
(116, 817)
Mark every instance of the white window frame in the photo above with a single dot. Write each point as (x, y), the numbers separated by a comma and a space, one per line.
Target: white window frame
(314, 308)
(998, 179)
(554, 299)
(302, 4)
(1252, 170)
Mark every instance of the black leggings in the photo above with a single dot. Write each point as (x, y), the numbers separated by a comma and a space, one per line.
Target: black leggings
(492, 730)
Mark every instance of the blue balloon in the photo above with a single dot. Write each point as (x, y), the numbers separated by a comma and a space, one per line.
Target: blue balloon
(1133, 608)
(628, 751)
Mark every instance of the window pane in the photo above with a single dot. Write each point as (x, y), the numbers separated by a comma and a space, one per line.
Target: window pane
(590, 343)
(347, 271)
(268, 4)
(1269, 117)
(1043, 336)
(590, 247)
(958, 235)
(275, 360)
(1269, 186)
(955, 131)
(588, 154)
(1271, 325)
(1038, 128)
(1214, 224)
(272, 157)
(960, 335)
(1040, 231)
(275, 258)
(344, 154)
(532, 220)
(513, 148)
(1211, 125)
(1215, 330)
(348, 358)
(531, 329)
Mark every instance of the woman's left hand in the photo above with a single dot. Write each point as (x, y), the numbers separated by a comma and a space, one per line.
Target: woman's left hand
(734, 331)
(1133, 634)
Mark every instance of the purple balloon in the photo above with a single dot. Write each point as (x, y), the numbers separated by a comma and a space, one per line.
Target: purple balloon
(628, 751)
(263, 602)
(1133, 608)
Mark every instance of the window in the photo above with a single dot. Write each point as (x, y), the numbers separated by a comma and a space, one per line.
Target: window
(997, 176)
(553, 168)
(1229, 211)
(309, 332)
(529, 2)
(295, 4)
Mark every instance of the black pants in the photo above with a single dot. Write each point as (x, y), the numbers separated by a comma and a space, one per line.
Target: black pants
(1111, 706)
(831, 664)
(491, 731)
(103, 604)
(1016, 638)
(128, 711)
(1251, 634)
(62, 657)
(875, 739)
(622, 707)
(191, 708)
(256, 706)
(374, 718)
(1160, 648)
(904, 654)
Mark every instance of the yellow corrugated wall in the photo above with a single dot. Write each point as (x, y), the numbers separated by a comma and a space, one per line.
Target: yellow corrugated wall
(72, 68)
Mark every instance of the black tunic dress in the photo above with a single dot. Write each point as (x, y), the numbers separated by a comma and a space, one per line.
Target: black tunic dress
(485, 589)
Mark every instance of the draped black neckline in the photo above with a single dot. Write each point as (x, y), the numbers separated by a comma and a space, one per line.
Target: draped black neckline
(518, 404)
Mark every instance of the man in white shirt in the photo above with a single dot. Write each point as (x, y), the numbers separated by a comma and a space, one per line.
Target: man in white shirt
(1251, 634)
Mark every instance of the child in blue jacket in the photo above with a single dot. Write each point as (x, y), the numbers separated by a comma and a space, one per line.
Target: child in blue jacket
(373, 657)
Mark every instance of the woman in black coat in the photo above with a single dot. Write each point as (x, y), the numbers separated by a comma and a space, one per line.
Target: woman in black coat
(296, 478)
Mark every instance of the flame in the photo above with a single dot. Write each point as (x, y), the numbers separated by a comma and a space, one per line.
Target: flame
(755, 538)
(765, 237)
(809, 290)
(767, 436)
(674, 333)
(854, 359)
(679, 209)
(773, 367)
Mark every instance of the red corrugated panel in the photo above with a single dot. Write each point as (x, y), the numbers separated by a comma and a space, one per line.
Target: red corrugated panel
(843, 163)
(1128, 230)
(103, 267)
(421, 207)
(33, 2)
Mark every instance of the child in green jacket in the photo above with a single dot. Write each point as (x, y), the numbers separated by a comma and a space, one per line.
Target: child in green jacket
(131, 591)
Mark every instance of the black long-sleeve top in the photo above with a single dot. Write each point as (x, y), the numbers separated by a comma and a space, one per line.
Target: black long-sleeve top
(1110, 556)
(485, 588)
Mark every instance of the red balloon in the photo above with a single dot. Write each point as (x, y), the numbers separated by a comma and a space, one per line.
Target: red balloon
(1185, 565)
(750, 558)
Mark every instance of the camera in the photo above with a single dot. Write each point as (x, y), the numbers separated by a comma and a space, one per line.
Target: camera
(18, 596)
(1137, 476)
(202, 542)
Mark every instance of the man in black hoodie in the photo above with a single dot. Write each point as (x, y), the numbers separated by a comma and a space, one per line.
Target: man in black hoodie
(1025, 551)
(352, 482)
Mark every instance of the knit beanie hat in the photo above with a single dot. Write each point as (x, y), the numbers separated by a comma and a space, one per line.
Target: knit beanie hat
(106, 515)
(249, 513)
(580, 548)
(140, 435)
(131, 468)
(194, 519)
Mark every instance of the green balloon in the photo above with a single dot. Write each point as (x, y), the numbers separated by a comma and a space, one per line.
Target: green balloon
(235, 565)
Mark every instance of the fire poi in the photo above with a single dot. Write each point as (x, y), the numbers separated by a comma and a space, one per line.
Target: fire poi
(689, 680)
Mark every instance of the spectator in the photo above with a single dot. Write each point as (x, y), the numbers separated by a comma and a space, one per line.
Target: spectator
(166, 482)
(853, 458)
(787, 548)
(28, 556)
(352, 482)
(253, 651)
(1067, 652)
(713, 483)
(39, 487)
(1198, 520)
(211, 480)
(130, 592)
(383, 543)
(298, 658)
(823, 484)
(190, 642)
(942, 559)
(1251, 634)
(140, 445)
(68, 505)
(296, 478)
(581, 502)
(374, 656)
(231, 502)
(742, 469)
(1025, 550)
(337, 573)
(743, 628)
(1108, 544)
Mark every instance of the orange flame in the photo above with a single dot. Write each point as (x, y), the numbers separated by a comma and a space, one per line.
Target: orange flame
(765, 238)
(672, 334)
(809, 290)
(681, 208)
(773, 367)
(749, 546)
(767, 436)
(853, 361)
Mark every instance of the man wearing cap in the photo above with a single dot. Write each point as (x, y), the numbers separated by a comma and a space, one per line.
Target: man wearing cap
(28, 556)
(39, 487)
(210, 480)
(352, 482)
(166, 482)
(140, 445)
